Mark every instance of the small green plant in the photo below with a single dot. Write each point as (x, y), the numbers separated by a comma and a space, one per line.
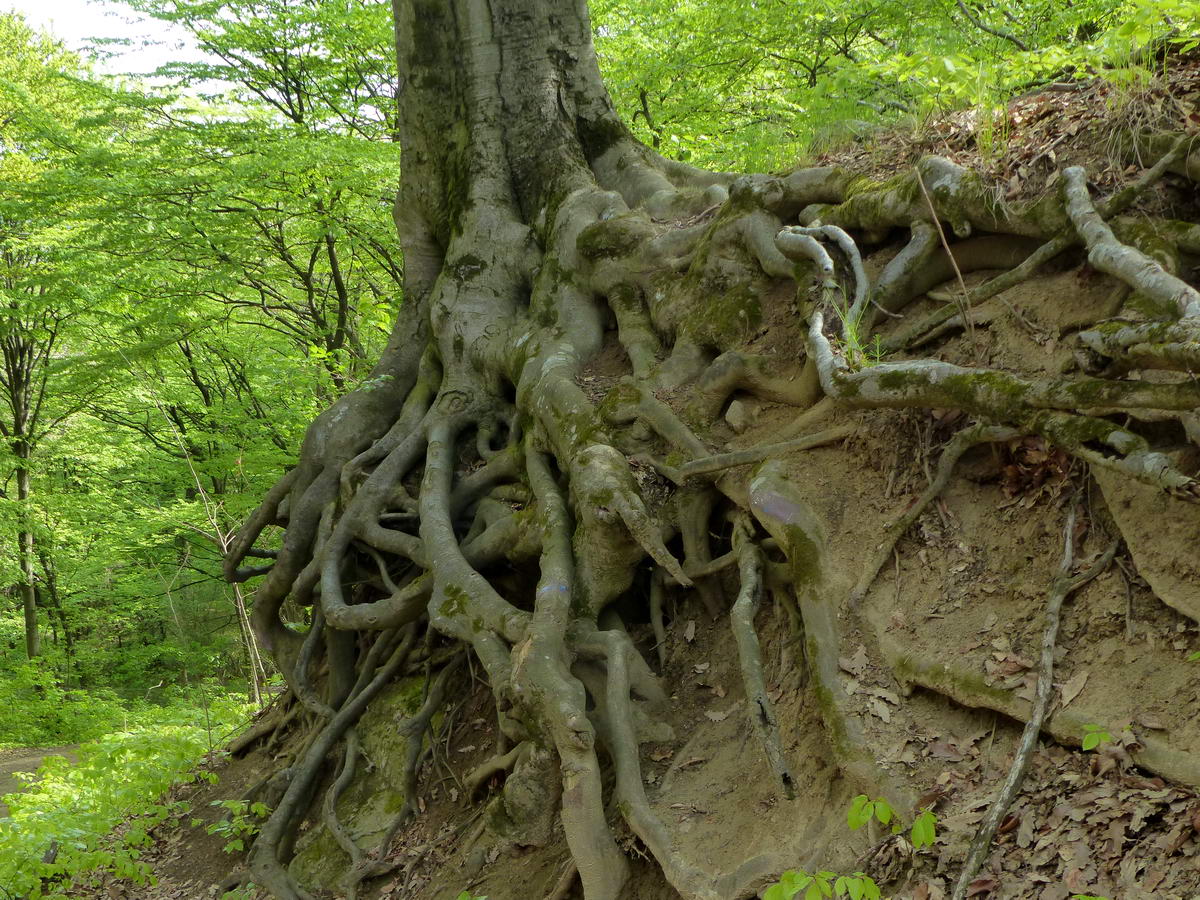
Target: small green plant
(818, 885)
(859, 352)
(1094, 736)
(1194, 657)
(862, 810)
(241, 824)
(924, 829)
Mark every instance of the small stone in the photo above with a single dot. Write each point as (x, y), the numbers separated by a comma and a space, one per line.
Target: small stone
(740, 415)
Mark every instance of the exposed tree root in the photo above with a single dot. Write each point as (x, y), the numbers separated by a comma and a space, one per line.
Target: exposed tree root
(922, 331)
(760, 708)
(473, 493)
(709, 464)
(264, 860)
(1132, 266)
(781, 510)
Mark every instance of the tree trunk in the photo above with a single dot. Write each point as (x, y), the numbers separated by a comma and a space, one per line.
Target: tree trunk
(536, 232)
(26, 556)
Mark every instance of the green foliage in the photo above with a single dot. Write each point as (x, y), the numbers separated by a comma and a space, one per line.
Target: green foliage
(924, 829)
(818, 885)
(196, 275)
(922, 833)
(119, 776)
(38, 711)
(467, 895)
(858, 352)
(858, 886)
(1094, 736)
(745, 85)
(241, 823)
(863, 809)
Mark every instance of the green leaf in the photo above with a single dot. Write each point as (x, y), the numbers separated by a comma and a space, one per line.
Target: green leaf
(883, 811)
(924, 830)
(860, 812)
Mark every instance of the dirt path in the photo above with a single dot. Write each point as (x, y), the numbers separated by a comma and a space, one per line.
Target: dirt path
(26, 759)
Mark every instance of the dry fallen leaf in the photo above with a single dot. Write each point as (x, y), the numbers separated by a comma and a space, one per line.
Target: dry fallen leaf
(981, 887)
(946, 751)
(879, 708)
(689, 633)
(857, 663)
(1073, 687)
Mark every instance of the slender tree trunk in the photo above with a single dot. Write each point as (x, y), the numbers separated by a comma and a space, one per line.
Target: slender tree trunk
(26, 555)
(258, 675)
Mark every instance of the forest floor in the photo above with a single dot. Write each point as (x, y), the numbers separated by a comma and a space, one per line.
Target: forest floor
(940, 659)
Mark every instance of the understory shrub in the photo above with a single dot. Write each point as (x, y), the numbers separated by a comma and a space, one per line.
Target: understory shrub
(55, 834)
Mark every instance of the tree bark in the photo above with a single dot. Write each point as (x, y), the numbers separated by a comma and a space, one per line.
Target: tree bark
(27, 555)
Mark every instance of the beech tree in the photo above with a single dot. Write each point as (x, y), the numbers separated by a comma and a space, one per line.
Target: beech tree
(536, 231)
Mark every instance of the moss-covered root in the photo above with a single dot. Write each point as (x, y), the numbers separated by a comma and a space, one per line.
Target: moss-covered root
(265, 862)
(959, 444)
(1021, 270)
(1061, 588)
(961, 197)
(1144, 345)
(329, 813)
(542, 679)
(375, 864)
(783, 512)
(741, 619)
(1121, 261)
(1043, 406)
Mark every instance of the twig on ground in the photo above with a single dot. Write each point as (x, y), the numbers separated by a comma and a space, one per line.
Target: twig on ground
(1063, 586)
